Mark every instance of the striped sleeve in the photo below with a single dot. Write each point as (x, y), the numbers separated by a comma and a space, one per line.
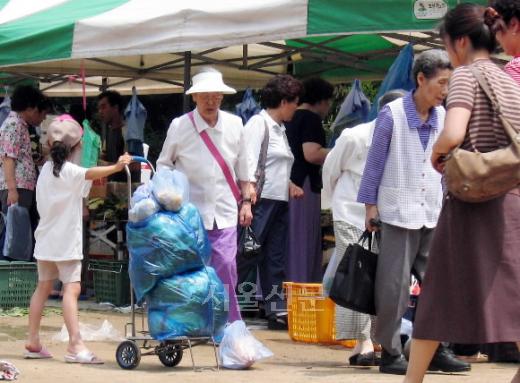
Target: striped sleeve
(377, 156)
(462, 89)
(512, 68)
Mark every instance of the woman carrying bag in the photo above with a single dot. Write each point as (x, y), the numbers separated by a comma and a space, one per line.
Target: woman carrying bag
(279, 98)
(471, 291)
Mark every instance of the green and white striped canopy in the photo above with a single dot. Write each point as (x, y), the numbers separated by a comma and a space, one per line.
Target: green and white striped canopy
(45, 30)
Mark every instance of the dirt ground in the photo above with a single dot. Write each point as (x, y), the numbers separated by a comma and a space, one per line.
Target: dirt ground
(292, 362)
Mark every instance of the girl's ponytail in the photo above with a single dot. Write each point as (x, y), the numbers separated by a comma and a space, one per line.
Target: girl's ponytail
(59, 154)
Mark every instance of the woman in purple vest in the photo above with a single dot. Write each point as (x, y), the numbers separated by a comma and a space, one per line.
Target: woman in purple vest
(401, 188)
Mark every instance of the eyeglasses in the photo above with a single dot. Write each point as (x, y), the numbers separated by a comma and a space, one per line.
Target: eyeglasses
(205, 97)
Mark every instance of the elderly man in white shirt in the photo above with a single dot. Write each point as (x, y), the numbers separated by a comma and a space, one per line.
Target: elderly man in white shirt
(209, 146)
(266, 131)
(342, 172)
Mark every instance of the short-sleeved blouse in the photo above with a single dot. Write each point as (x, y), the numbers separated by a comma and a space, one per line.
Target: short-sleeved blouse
(15, 143)
(484, 128)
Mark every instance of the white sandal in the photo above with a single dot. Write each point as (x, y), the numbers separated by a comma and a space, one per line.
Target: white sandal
(83, 357)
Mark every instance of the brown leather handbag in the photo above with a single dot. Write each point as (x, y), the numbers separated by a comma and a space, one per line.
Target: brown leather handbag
(472, 176)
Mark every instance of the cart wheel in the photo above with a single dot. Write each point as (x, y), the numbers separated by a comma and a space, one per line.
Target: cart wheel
(128, 355)
(170, 355)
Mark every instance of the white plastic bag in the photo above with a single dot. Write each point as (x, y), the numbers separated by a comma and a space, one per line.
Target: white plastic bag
(239, 349)
(106, 332)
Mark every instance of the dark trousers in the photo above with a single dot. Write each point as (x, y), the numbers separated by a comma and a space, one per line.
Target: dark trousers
(270, 225)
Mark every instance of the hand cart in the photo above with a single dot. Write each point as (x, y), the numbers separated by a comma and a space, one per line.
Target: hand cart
(140, 343)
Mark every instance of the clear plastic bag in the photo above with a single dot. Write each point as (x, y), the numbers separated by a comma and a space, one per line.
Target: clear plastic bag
(18, 234)
(239, 349)
(190, 304)
(142, 192)
(90, 333)
(170, 188)
(143, 209)
(143, 204)
(330, 272)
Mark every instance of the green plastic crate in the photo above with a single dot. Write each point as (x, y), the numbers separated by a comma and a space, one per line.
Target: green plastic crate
(111, 281)
(18, 281)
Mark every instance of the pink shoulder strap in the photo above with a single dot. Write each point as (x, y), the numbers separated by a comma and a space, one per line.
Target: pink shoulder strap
(218, 157)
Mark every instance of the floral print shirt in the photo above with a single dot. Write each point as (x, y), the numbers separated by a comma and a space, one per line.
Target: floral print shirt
(15, 143)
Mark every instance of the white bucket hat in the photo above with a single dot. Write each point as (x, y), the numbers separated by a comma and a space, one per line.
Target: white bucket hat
(209, 81)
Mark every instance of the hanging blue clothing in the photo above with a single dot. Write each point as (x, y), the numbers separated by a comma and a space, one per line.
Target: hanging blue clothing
(5, 109)
(248, 107)
(399, 76)
(135, 116)
(354, 111)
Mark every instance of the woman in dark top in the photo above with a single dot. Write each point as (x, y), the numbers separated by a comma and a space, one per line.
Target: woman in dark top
(307, 141)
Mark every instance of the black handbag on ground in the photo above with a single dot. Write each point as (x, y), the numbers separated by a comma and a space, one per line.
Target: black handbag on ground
(248, 245)
(353, 285)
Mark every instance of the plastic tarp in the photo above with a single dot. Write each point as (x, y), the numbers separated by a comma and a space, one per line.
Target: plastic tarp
(399, 76)
(61, 29)
(136, 38)
(353, 111)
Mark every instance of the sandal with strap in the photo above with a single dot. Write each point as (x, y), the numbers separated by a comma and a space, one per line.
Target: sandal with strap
(42, 354)
(83, 357)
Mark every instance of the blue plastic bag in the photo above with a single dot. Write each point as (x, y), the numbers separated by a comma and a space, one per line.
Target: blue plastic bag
(166, 244)
(18, 234)
(170, 188)
(190, 304)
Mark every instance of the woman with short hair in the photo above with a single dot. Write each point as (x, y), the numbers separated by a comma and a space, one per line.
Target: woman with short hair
(308, 143)
(18, 172)
(266, 130)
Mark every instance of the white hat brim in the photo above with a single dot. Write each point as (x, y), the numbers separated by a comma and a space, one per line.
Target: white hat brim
(211, 88)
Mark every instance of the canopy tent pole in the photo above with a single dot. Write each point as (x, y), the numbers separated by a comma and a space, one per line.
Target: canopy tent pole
(187, 78)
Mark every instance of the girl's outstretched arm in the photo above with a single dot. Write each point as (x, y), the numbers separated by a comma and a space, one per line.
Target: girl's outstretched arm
(104, 171)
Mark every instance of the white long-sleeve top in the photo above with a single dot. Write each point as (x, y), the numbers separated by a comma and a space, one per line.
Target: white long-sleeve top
(279, 156)
(185, 151)
(342, 173)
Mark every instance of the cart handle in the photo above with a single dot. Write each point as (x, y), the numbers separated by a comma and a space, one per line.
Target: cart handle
(139, 159)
